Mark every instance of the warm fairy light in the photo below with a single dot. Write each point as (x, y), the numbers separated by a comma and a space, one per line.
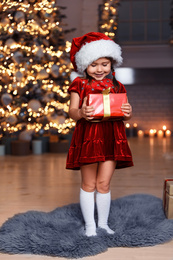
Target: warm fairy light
(68, 46)
(160, 133)
(152, 132)
(127, 125)
(109, 18)
(164, 127)
(135, 125)
(168, 133)
(140, 133)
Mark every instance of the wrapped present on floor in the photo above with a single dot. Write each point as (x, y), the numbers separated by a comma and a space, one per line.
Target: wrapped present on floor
(53, 138)
(59, 147)
(168, 198)
(107, 106)
(20, 147)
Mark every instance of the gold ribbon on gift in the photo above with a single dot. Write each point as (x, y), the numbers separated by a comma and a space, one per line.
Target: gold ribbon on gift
(106, 102)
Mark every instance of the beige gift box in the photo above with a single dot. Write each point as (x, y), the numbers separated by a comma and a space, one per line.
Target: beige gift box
(168, 198)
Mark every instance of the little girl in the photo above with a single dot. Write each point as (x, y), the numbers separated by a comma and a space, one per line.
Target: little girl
(97, 148)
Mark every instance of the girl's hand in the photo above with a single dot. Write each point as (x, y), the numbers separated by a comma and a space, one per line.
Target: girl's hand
(127, 110)
(86, 111)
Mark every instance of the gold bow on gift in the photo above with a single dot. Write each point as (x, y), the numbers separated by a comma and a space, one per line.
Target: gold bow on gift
(106, 102)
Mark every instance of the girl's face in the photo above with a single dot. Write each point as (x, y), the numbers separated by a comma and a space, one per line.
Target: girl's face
(99, 69)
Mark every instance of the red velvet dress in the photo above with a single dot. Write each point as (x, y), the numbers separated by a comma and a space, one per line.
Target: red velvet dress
(97, 141)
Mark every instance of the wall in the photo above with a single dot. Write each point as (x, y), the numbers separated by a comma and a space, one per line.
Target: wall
(82, 15)
(151, 97)
(152, 106)
(152, 93)
(152, 56)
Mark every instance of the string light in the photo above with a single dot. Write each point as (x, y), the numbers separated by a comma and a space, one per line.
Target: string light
(108, 18)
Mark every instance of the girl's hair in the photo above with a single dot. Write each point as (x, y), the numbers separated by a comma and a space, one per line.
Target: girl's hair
(115, 82)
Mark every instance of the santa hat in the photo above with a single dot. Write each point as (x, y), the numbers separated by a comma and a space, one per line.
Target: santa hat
(90, 47)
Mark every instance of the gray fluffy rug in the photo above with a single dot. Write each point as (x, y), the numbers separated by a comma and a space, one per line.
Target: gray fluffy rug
(138, 221)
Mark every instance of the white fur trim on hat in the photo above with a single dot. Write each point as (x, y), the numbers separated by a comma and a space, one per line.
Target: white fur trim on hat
(74, 75)
(97, 49)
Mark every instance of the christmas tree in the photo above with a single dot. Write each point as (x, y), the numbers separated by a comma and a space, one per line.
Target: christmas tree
(34, 69)
(108, 18)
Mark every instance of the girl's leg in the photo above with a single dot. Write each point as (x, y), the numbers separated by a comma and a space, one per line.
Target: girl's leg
(103, 195)
(88, 186)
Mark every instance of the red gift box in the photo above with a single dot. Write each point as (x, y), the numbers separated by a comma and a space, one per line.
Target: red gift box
(107, 106)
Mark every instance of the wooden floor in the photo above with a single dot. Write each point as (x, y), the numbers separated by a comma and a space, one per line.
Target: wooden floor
(40, 182)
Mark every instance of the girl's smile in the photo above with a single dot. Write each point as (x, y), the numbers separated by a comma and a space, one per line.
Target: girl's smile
(99, 69)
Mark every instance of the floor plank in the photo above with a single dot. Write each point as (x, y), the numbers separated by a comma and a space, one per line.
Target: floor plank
(41, 182)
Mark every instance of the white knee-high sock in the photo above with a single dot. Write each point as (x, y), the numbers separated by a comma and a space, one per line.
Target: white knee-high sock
(103, 201)
(87, 207)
